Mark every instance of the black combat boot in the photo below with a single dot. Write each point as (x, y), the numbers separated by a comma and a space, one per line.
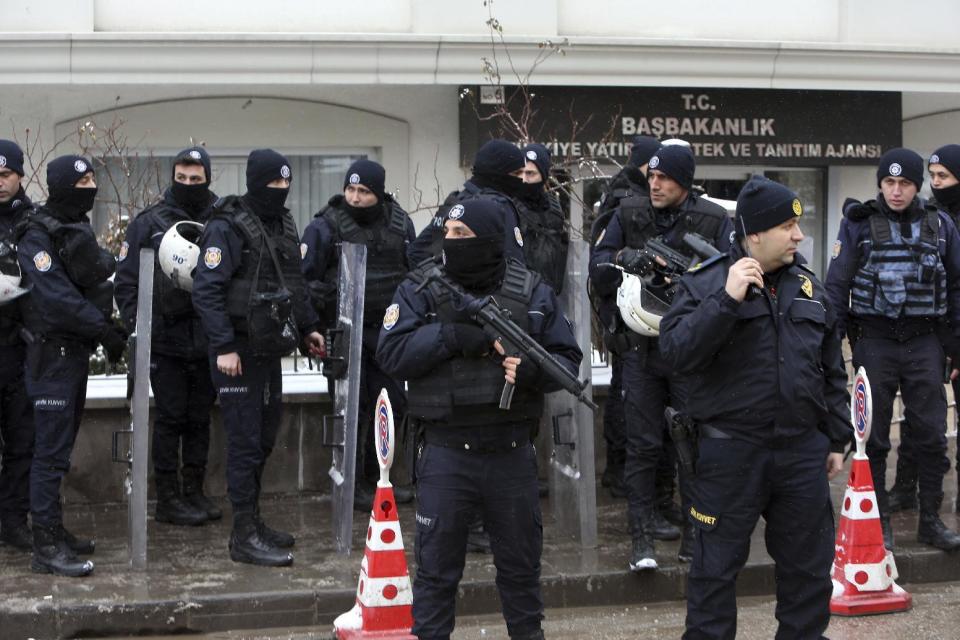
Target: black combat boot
(687, 542)
(642, 552)
(246, 545)
(277, 538)
(193, 492)
(660, 529)
(887, 529)
(931, 529)
(52, 555)
(903, 494)
(82, 546)
(15, 533)
(173, 509)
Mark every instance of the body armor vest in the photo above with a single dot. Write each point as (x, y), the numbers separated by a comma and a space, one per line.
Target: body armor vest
(169, 302)
(545, 241)
(901, 277)
(702, 217)
(386, 257)
(260, 301)
(466, 391)
(10, 317)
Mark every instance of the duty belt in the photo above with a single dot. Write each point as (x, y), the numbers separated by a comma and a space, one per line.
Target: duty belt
(781, 442)
(452, 438)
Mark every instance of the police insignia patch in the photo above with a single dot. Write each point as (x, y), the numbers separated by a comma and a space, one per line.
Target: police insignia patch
(531, 155)
(212, 257)
(80, 166)
(895, 169)
(456, 212)
(42, 261)
(3, 161)
(806, 285)
(518, 235)
(285, 172)
(797, 207)
(390, 316)
(303, 250)
(195, 155)
(654, 162)
(837, 246)
(603, 232)
(124, 250)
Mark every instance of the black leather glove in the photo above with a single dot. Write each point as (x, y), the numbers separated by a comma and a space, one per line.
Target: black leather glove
(636, 261)
(114, 341)
(468, 339)
(528, 374)
(856, 210)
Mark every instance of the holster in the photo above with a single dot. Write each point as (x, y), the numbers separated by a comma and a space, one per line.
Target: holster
(685, 435)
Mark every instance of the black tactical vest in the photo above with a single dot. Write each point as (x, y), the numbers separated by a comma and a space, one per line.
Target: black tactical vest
(465, 392)
(696, 216)
(260, 301)
(545, 241)
(386, 243)
(901, 276)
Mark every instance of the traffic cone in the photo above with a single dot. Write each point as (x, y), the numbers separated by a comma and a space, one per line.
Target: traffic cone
(864, 572)
(383, 607)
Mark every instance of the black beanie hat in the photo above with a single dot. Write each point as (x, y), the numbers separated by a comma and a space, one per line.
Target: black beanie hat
(370, 174)
(264, 166)
(642, 150)
(540, 156)
(498, 157)
(677, 162)
(63, 172)
(763, 204)
(899, 163)
(11, 156)
(484, 216)
(949, 156)
(194, 155)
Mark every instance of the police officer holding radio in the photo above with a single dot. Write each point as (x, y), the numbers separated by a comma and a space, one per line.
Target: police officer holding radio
(363, 214)
(254, 306)
(754, 332)
(16, 414)
(650, 384)
(180, 367)
(67, 313)
(895, 280)
(476, 458)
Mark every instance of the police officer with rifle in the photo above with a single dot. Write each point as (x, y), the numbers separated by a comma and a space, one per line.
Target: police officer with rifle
(475, 388)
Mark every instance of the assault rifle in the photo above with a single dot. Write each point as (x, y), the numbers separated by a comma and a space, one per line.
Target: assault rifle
(678, 263)
(516, 342)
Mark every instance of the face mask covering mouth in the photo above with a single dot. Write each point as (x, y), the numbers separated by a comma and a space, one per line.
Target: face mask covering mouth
(948, 196)
(475, 263)
(192, 197)
(72, 202)
(365, 215)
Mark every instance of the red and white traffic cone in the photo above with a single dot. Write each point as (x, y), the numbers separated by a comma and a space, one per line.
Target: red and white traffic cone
(864, 572)
(383, 608)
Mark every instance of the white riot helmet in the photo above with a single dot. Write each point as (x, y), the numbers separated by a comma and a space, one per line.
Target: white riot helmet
(10, 274)
(640, 308)
(179, 252)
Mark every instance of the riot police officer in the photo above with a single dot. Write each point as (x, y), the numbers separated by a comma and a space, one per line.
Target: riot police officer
(180, 367)
(475, 457)
(649, 383)
(895, 280)
(497, 175)
(16, 415)
(542, 222)
(363, 214)
(629, 183)
(767, 386)
(66, 313)
(943, 167)
(254, 306)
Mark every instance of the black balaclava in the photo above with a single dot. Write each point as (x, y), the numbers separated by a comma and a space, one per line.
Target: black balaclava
(373, 176)
(476, 263)
(194, 198)
(492, 166)
(263, 167)
(949, 156)
(67, 201)
(642, 150)
(535, 194)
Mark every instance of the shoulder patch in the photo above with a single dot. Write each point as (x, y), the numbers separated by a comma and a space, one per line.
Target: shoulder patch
(124, 250)
(603, 232)
(303, 250)
(837, 248)
(806, 285)
(212, 257)
(390, 316)
(518, 236)
(42, 261)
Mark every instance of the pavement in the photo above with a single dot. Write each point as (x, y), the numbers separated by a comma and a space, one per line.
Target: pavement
(191, 586)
